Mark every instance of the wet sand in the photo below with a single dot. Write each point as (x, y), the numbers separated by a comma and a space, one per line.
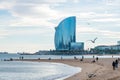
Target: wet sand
(100, 70)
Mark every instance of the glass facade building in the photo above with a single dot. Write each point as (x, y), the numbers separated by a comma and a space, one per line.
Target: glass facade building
(65, 33)
(77, 46)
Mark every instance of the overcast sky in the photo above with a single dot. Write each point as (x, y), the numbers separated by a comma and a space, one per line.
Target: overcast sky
(28, 25)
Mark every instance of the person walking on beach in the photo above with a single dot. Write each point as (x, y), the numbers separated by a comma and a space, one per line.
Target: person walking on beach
(96, 58)
(112, 56)
(82, 57)
(61, 58)
(22, 57)
(93, 56)
(113, 64)
(75, 57)
(116, 63)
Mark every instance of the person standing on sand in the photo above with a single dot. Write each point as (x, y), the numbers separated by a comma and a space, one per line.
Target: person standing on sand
(113, 64)
(118, 60)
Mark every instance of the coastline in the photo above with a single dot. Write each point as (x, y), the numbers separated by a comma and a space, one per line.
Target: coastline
(101, 70)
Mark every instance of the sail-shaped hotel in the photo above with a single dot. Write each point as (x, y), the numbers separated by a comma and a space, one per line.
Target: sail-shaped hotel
(65, 35)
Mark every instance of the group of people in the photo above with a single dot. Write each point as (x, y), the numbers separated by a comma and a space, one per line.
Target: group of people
(82, 58)
(115, 64)
(94, 60)
(21, 57)
(78, 58)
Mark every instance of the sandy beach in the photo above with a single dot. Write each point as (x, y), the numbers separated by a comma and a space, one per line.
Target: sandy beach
(100, 70)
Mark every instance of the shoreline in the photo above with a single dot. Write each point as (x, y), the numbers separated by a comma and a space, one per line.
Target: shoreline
(100, 70)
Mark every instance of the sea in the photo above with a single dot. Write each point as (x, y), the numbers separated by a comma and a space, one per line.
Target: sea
(21, 70)
(17, 56)
(18, 70)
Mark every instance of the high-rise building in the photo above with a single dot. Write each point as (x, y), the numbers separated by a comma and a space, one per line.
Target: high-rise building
(65, 33)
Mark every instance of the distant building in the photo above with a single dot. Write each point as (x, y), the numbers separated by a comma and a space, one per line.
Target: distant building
(77, 46)
(118, 42)
(65, 35)
(111, 47)
(3, 52)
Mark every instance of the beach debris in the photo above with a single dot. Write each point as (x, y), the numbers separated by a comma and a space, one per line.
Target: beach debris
(93, 61)
(91, 75)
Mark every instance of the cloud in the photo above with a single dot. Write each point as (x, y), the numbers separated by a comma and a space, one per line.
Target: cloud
(34, 31)
(111, 34)
(30, 12)
(3, 33)
(93, 31)
(31, 22)
(93, 15)
(76, 1)
(34, 14)
(26, 47)
(112, 2)
(42, 12)
(107, 20)
(40, 1)
(6, 4)
(83, 29)
(36, 11)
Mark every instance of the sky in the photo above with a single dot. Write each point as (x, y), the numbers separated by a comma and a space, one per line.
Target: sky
(29, 25)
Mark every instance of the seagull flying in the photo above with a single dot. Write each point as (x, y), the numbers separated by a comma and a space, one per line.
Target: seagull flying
(93, 41)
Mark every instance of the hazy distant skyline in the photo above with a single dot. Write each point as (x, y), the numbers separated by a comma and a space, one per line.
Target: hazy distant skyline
(28, 25)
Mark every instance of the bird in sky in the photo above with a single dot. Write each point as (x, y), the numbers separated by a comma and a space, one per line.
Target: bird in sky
(93, 41)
